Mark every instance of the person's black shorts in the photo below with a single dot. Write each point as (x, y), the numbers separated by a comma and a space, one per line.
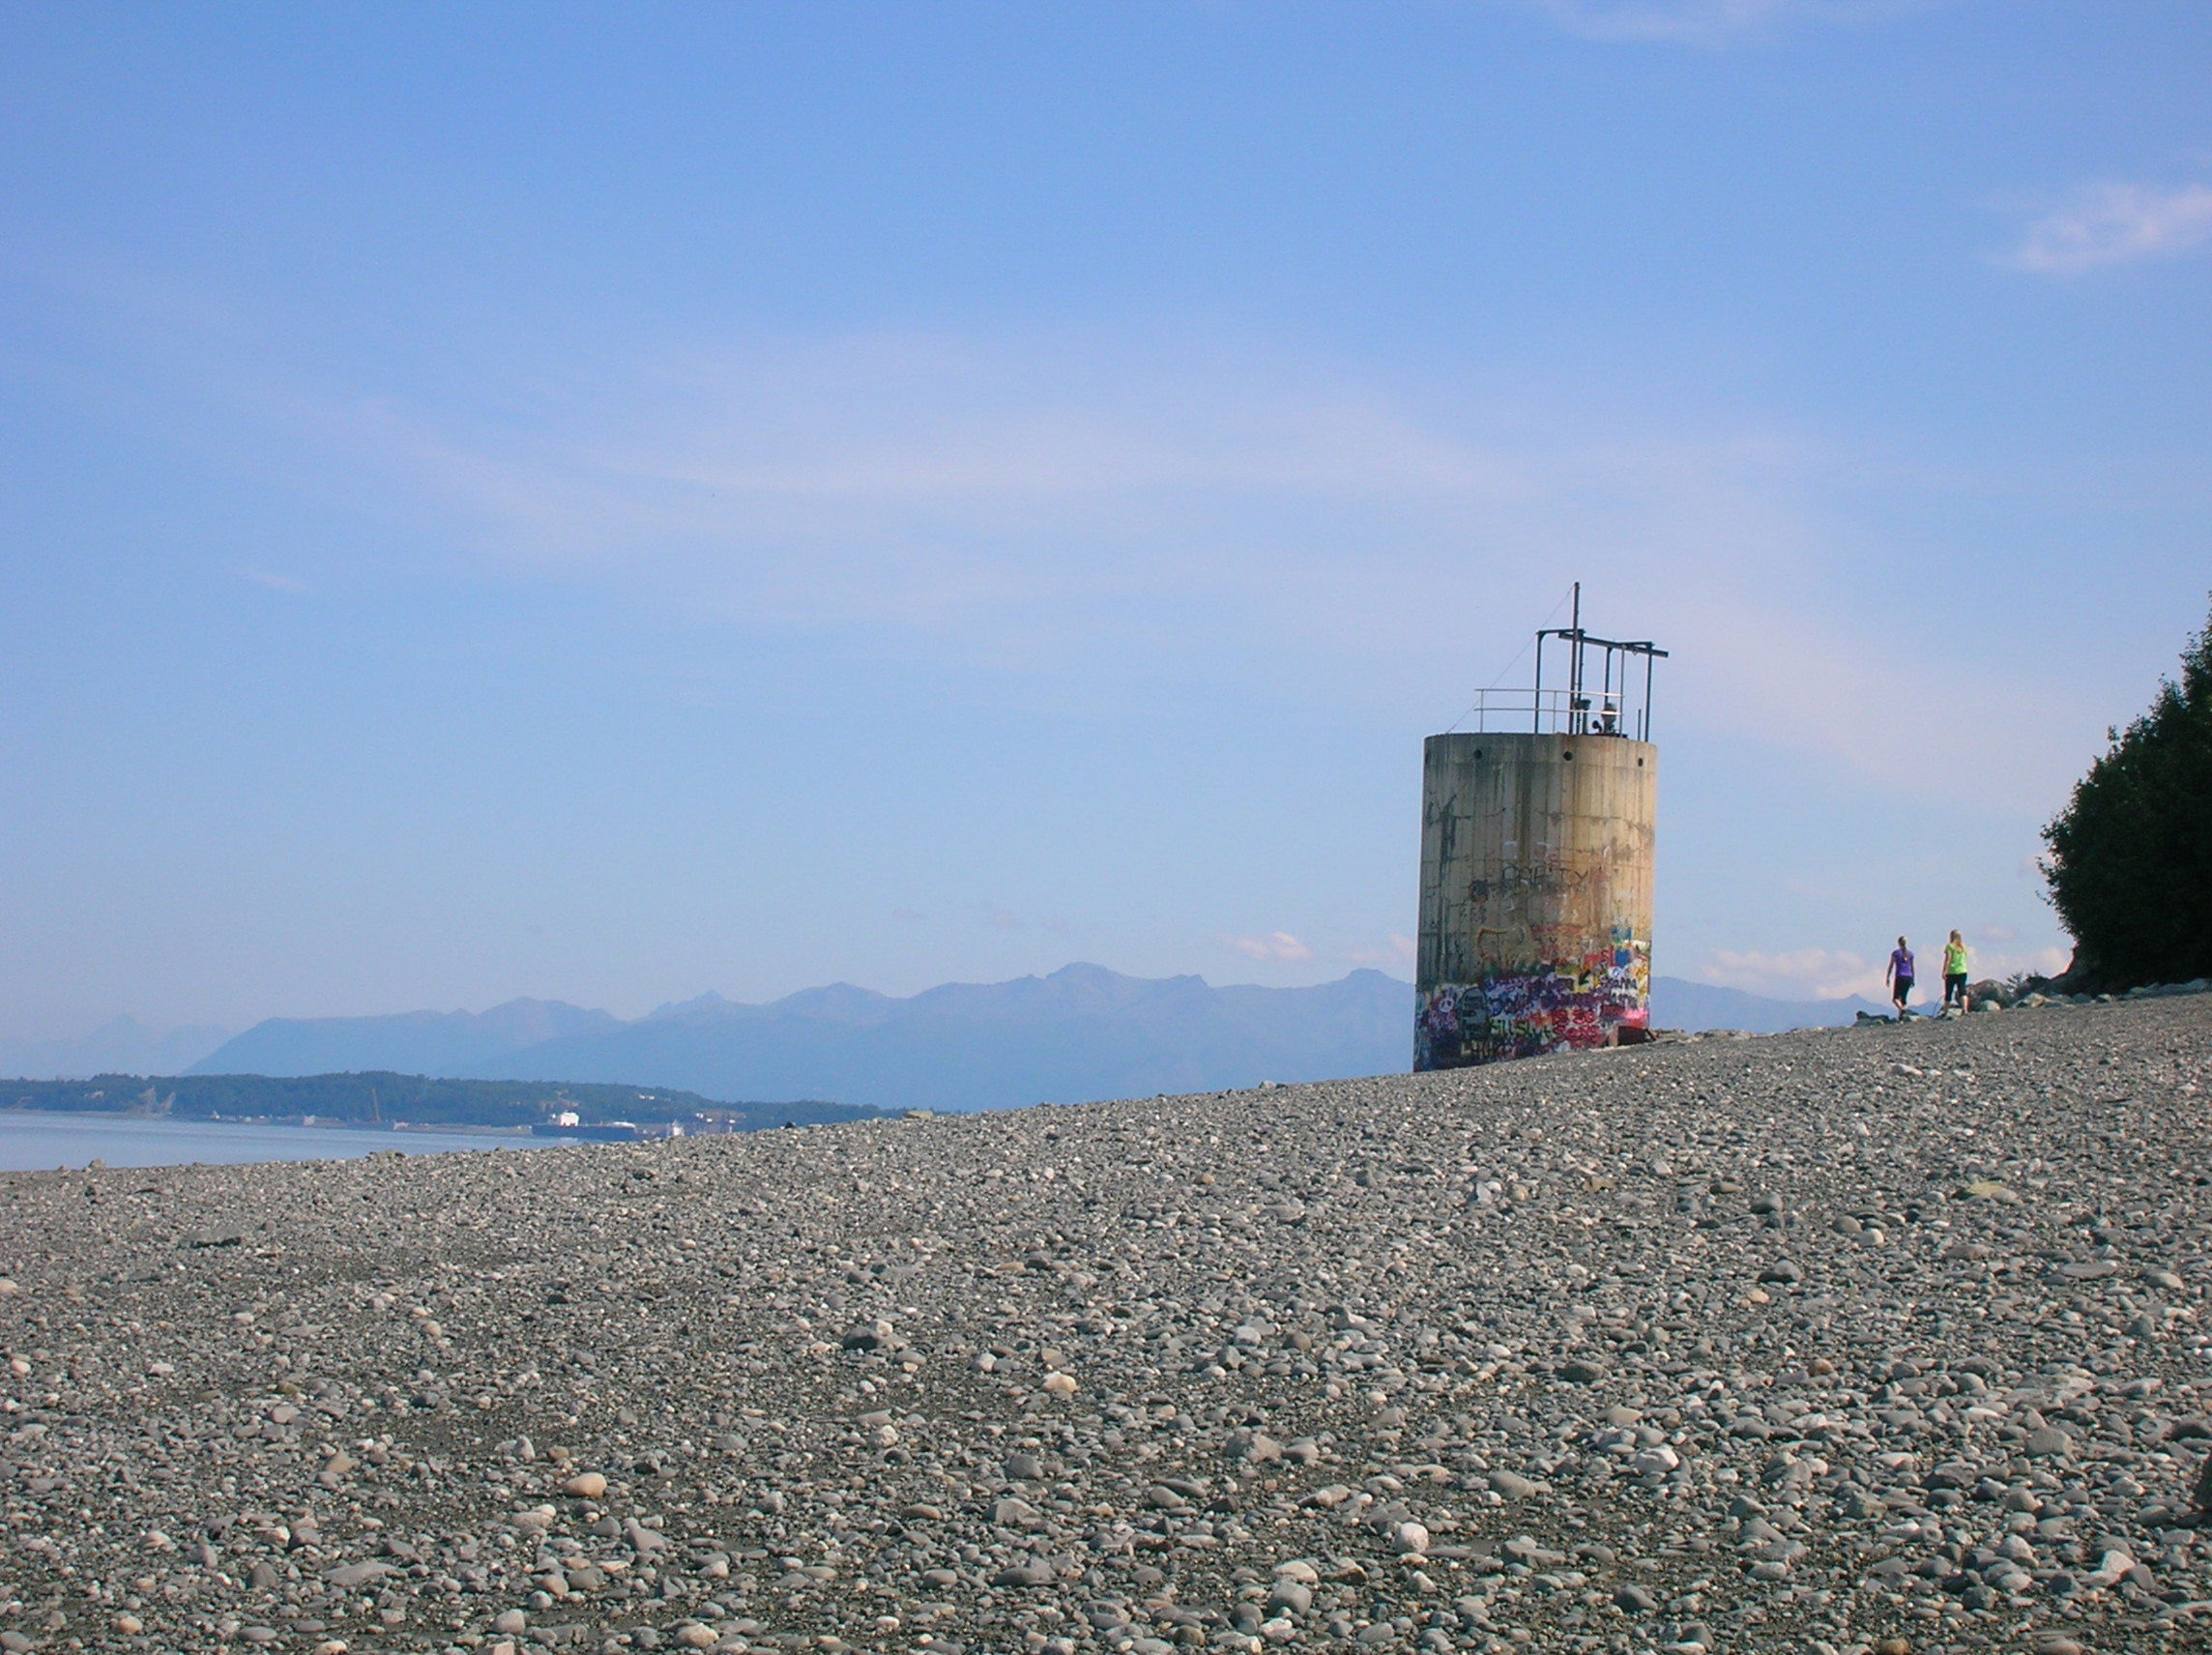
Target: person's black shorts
(1903, 992)
(1954, 983)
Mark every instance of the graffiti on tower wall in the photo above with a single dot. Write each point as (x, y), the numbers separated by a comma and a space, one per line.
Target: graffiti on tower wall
(1595, 997)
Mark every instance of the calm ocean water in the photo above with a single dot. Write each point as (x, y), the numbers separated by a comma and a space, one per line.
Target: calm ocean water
(34, 1141)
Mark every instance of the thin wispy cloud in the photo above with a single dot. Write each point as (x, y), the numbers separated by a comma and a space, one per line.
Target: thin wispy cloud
(1713, 23)
(1398, 951)
(275, 582)
(1067, 504)
(2117, 223)
(1032, 504)
(1277, 948)
(1800, 973)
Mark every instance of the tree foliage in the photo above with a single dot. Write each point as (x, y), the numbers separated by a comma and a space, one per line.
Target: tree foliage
(2131, 855)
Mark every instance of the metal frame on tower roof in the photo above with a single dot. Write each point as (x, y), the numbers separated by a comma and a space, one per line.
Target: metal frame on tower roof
(1614, 705)
(1603, 715)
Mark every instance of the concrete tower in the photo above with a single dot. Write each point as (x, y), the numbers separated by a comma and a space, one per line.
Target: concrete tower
(1537, 860)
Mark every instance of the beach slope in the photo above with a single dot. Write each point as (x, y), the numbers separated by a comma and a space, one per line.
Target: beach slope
(1804, 1342)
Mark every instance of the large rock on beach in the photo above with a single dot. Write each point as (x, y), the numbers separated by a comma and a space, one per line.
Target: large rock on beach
(1890, 1337)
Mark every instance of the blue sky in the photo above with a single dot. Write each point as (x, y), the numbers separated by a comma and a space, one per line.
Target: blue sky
(607, 502)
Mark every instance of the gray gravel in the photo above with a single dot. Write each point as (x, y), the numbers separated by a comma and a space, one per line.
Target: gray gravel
(1887, 1338)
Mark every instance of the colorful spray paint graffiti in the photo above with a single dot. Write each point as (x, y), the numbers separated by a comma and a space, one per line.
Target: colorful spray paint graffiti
(1599, 998)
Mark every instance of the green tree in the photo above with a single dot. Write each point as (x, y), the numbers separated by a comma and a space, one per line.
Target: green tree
(2131, 855)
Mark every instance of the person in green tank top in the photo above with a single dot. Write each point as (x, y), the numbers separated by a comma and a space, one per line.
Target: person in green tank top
(1955, 971)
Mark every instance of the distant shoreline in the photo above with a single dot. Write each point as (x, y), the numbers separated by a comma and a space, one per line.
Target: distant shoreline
(41, 1140)
(307, 1124)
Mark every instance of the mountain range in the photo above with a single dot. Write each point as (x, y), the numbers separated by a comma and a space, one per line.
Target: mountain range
(1081, 1033)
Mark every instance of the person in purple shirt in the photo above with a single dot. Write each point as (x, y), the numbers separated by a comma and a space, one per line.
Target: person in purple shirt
(1899, 977)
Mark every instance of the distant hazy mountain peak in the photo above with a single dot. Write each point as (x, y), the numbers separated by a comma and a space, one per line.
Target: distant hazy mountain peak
(1084, 972)
(524, 1004)
(421, 1042)
(833, 1002)
(1102, 979)
(122, 1045)
(529, 1021)
(707, 1004)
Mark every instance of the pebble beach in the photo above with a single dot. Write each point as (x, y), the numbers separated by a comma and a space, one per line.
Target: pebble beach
(1879, 1341)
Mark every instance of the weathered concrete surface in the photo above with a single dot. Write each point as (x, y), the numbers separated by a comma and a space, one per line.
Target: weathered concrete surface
(1537, 879)
(1795, 1343)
